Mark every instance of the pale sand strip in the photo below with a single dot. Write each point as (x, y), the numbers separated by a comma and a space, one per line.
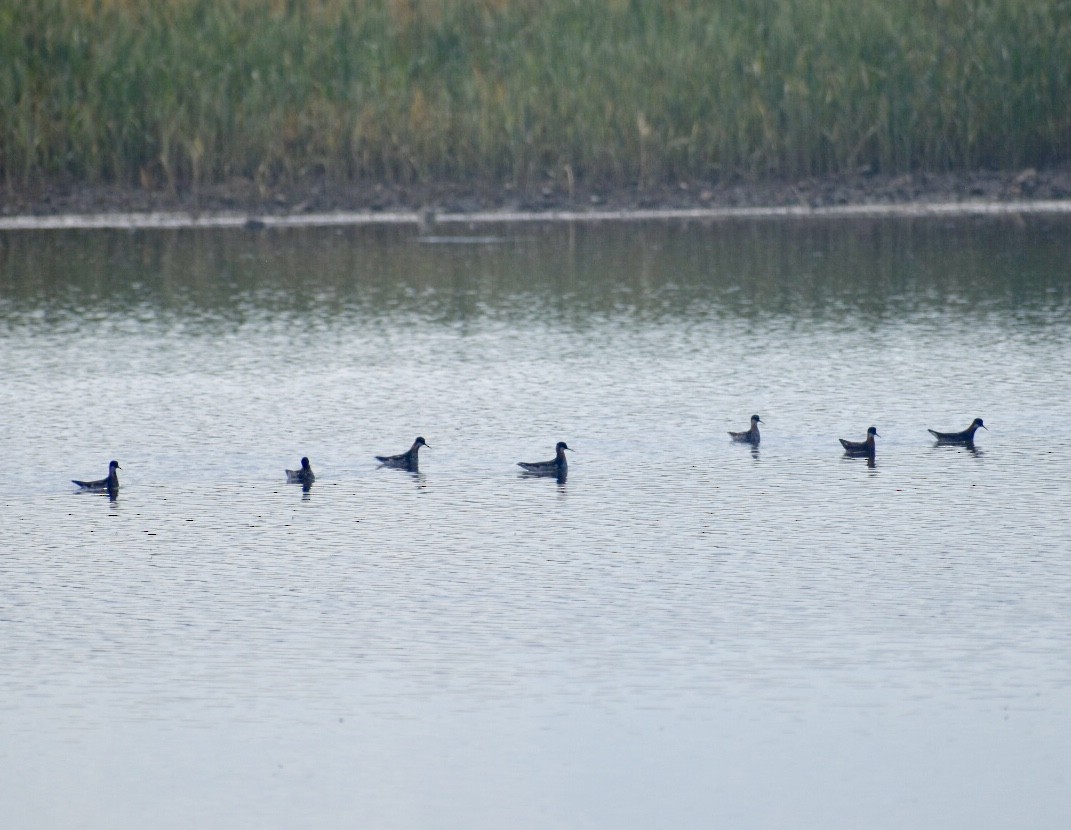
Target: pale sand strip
(176, 220)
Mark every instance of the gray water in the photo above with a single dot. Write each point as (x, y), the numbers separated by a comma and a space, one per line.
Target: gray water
(685, 633)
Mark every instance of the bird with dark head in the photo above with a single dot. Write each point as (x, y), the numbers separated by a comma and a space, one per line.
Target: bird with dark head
(557, 466)
(750, 436)
(302, 476)
(407, 460)
(964, 437)
(110, 483)
(865, 447)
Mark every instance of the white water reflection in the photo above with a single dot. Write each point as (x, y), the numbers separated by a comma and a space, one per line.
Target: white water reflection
(684, 633)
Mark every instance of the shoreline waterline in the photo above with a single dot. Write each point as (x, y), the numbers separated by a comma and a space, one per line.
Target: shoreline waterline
(177, 220)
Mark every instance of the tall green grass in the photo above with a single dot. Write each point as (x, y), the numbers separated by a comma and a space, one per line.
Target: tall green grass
(184, 92)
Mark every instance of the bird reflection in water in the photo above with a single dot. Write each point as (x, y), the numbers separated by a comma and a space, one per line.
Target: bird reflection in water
(559, 478)
(968, 447)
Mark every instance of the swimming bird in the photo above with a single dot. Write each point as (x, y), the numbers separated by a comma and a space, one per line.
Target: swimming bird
(111, 483)
(752, 435)
(861, 447)
(406, 460)
(557, 466)
(302, 476)
(965, 437)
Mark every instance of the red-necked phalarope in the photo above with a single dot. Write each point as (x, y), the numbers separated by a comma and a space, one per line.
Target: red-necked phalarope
(557, 466)
(752, 435)
(406, 460)
(861, 447)
(302, 476)
(110, 483)
(965, 437)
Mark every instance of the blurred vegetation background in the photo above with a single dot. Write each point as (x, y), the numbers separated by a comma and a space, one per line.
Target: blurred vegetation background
(178, 93)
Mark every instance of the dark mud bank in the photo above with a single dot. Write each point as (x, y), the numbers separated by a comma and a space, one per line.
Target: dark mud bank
(246, 197)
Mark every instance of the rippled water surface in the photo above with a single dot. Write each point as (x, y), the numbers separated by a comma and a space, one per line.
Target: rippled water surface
(685, 633)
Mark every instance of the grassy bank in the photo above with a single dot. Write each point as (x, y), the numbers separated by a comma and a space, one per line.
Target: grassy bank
(187, 92)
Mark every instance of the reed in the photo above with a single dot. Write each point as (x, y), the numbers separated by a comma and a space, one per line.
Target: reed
(185, 92)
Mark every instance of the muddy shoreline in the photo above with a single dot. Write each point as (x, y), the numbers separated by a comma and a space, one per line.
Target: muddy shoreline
(241, 196)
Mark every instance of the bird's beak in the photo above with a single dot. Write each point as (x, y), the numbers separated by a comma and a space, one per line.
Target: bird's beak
(983, 426)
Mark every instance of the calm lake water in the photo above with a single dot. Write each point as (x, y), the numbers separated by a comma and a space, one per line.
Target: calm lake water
(685, 633)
